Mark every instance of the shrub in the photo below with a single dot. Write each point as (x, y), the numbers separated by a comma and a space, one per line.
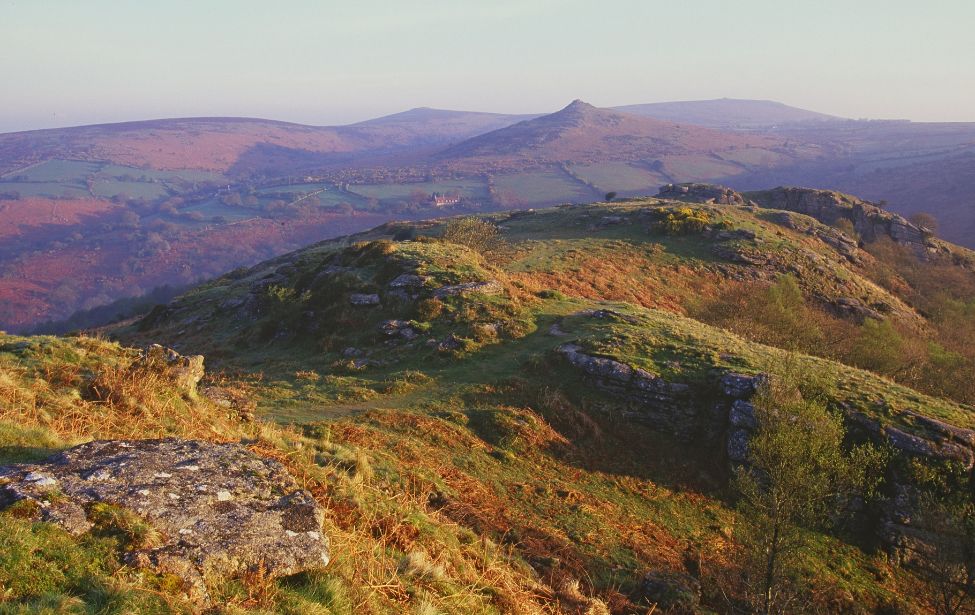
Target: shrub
(473, 233)
(926, 222)
(683, 221)
(880, 347)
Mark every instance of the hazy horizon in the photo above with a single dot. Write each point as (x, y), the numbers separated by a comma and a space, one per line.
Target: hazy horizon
(330, 63)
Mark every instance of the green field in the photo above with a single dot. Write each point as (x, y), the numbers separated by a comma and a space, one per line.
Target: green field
(470, 188)
(59, 178)
(620, 177)
(542, 187)
(107, 188)
(55, 171)
(48, 189)
(331, 197)
(213, 207)
(754, 156)
(699, 168)
(293, 188)
(186, 175)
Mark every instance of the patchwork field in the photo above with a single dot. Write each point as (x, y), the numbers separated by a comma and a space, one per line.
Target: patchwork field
(620, 177)
(699, 167)
(47, 189)
(80, 178)
(755, 157)
(542, 187)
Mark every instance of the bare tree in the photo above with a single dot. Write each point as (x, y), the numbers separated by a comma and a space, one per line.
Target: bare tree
(925, 221)
(474, 233)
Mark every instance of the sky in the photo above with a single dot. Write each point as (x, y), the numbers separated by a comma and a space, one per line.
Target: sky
(65, 62)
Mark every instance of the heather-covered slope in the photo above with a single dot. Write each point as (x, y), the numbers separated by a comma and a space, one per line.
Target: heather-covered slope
(581, 133)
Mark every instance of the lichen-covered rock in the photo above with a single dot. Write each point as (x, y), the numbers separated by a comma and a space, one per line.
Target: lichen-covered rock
(490, 287)
(242, 405)
(854, 308)
(598, 367)
(741, 386)
(398, 328)
(737, 445)
(219, 508)
(931, 439)
(742, 415)
(701, 193)
(364, 299)
(408, 280)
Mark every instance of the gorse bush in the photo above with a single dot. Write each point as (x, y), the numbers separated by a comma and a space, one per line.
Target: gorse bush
(683, 221)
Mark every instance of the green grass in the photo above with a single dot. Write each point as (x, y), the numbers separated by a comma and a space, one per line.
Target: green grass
(542, 187)
(108, 188)
(45, 570)
(59, 178)
(754, 157)
(621, 177)
(45, 189)
(699, 168)
(137, 174)
(63, 171)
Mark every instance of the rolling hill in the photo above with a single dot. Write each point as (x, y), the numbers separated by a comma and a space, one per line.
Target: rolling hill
(94, 214)
(581, 133)
(544, 421)
(437, 126)
(727, 113)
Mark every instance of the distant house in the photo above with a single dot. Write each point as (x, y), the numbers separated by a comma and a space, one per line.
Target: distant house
(443, 200)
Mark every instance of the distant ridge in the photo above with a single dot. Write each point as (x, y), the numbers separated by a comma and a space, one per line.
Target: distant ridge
(441, 125)
(727, 113)
(430, 114)
(581, 131)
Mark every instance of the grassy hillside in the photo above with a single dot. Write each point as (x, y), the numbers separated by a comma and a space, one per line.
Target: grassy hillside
(420, 389)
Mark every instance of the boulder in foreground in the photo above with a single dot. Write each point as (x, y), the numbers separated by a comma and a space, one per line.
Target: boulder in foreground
(218, 509)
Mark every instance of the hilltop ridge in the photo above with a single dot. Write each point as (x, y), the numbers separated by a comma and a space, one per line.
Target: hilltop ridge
(581, 132)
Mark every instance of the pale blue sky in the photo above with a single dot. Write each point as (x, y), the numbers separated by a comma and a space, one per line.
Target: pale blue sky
(67, 62)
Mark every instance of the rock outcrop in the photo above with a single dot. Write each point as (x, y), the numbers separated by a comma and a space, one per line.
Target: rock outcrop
(826, 206)
(869, 221)
(489, 287)
(219, 509)
(723, 416)
(701, 193)
(832, 237)
(666, 406)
